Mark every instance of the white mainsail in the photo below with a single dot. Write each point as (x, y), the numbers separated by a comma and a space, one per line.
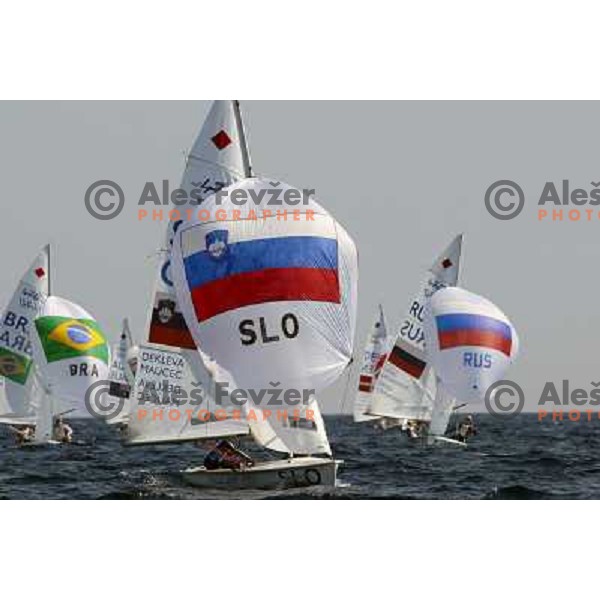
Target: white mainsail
(406, 387)
(7, 416)
(373, 361)
(119, 383)
(443, 405)
(218, 158)
(169, 404)
(16, 354)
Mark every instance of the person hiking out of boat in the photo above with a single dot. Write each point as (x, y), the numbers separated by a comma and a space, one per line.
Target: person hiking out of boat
(466, 428)
(224, 455)
(62, 432)
(23, 434)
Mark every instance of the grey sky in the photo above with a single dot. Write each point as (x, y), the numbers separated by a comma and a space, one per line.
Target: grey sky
(402, 177)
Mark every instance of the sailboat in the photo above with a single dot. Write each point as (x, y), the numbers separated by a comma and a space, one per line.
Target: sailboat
(19, 396)
(373, 360)
(49, 353)
(273, 302)
(120, 377)
(406, 387)
(470, 343)
(218, 158)
(71, 355)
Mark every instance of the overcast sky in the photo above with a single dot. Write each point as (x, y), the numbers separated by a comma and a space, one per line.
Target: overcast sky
(402, 177)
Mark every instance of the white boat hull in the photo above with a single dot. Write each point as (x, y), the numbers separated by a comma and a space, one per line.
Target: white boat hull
(276, 474)
(440, 440)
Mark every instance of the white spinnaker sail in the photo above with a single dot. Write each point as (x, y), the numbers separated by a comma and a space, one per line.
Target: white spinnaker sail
(170, 404)
(443, 405)
(16, 364)
(71, 353)
(270, 299)
(470, 342)
(120, 386)
(406, 387)
(218, 158)
(373, 360)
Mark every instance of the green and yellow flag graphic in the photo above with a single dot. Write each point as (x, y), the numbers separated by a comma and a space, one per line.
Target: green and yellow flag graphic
(14, 366)
(64, 337)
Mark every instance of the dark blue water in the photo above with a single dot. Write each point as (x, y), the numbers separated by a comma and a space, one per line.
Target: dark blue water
(518, 458)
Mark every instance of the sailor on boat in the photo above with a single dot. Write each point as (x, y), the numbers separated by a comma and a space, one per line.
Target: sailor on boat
(465, 429)
(224, 455)
(62, 432)
(23, 433)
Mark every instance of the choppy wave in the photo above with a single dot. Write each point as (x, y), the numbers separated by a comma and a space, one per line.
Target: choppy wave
(510, 459)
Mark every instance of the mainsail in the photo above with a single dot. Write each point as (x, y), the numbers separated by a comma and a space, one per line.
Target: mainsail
(470, 342)
(119, 384)
(16, 354)
(373, 361)
(443, 405)
(218, 158)
(406, 387)
(169, 404)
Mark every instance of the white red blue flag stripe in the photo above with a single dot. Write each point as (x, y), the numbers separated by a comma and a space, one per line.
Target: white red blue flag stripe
(473, 330)
(224, 275)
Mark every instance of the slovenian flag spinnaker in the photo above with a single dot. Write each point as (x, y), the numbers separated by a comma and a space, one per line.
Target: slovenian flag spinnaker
(470, 342)
(271, 298)
(72, 353)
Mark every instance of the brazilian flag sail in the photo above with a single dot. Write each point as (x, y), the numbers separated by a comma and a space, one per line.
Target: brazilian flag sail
(65, 337)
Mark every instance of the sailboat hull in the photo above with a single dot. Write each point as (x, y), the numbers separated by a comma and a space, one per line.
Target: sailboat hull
(275, 474)
(440, 440)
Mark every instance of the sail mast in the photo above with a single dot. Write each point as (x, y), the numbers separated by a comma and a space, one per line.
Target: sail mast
(243, 144)
(49, 270)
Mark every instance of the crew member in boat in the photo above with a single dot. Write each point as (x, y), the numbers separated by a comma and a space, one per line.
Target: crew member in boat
(224, 455)
(23, 433)
(61, 431)
(466, 428)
